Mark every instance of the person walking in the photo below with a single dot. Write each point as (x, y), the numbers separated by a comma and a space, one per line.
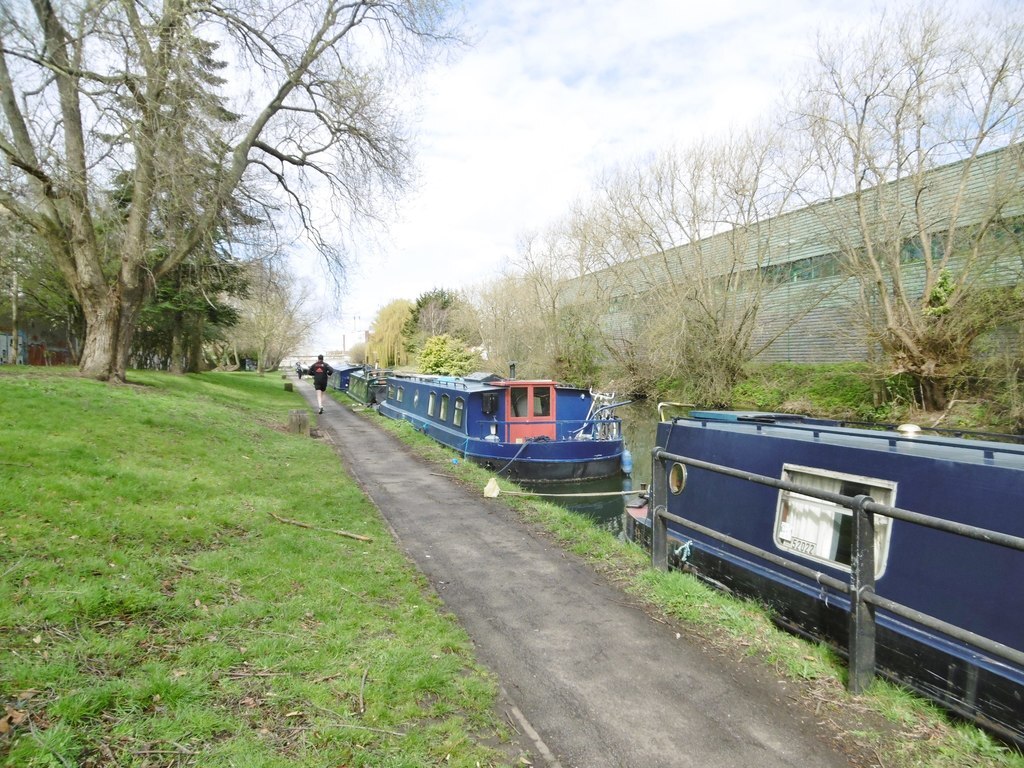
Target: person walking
(320, 371)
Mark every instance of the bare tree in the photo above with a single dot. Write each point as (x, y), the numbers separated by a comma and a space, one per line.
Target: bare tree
(93, 93)
(507, 324)
(681, 303)
(901, 128)
(274, 318)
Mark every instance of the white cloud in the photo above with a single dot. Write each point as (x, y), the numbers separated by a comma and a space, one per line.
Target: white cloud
(516, 129)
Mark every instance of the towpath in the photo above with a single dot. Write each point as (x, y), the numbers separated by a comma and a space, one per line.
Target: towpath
(587, 677)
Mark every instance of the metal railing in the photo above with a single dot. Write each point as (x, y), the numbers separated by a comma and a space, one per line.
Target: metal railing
(861, 585)
(565, 429)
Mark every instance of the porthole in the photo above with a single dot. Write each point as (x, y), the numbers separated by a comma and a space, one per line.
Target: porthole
(677, 478)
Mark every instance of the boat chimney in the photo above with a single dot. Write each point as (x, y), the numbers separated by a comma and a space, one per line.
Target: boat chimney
(512, 370)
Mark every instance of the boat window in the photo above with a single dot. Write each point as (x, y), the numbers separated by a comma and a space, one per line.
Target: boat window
(520, 401)
(391, 391)
(489, 403)
(542, 401)
(460, 407)
(677, 478)
(401, 394)
(431, 403)
(823, 531)
(415, 398)
(443, 415)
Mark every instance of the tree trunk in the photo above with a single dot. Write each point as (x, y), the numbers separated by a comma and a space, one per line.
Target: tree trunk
(195, 356)
(933, 394)
(110, 323)
(98, 351)
(176, 364)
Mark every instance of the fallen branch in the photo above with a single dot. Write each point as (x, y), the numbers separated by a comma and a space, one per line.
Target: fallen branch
(342, 724)
(355, 536)
(240, 675)
(362, 687)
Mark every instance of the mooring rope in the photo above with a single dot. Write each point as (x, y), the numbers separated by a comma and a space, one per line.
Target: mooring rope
(592, 493)
(510, 461)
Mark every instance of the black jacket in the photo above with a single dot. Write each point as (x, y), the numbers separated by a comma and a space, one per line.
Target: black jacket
(320, 371)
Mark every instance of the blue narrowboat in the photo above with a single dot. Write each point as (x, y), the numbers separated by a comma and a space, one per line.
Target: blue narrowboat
(342, 374)
(535, 430)
(947, 583)
(368, 385)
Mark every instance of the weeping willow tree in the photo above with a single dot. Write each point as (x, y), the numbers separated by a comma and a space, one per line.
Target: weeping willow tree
(387, 346)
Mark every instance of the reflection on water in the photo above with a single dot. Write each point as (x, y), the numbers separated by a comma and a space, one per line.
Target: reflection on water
(607, 507)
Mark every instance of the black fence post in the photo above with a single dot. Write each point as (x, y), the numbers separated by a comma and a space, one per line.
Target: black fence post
(657, 504)
(862, 613)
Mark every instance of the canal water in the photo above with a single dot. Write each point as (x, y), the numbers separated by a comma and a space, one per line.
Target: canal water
(603, 501)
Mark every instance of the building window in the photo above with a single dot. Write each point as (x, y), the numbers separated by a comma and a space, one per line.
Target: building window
(912, 251)
(432, 404)
(822, 531)
(460, 409)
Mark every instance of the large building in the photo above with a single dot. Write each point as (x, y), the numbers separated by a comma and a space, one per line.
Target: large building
(806, 269)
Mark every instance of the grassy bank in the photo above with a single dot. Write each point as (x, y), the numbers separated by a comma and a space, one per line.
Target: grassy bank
(986, 401)
(158, 605)
(887, 726)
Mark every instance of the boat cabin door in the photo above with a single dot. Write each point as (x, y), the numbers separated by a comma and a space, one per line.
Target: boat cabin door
(531, 412)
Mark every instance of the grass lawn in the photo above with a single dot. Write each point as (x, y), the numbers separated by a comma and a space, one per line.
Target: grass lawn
(159, 608)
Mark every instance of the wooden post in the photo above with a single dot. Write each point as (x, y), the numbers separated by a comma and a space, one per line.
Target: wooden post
(298, 422)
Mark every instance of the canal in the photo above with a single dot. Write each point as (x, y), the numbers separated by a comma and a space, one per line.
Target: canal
(603, 501)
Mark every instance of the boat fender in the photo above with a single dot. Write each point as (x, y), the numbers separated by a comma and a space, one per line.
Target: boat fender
(627, 462)
(682, 552)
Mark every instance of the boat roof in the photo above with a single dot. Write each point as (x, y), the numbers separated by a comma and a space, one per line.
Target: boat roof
(478, 381)
(923, 443)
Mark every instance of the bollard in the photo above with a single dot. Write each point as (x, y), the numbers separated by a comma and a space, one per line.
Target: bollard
(287, 386)
(298, 422)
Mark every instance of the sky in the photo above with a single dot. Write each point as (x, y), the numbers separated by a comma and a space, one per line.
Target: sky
(548, 96)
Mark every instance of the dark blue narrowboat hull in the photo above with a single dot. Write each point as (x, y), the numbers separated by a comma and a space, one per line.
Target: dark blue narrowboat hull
(553, 448)
(970, 584)
(532, 461)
